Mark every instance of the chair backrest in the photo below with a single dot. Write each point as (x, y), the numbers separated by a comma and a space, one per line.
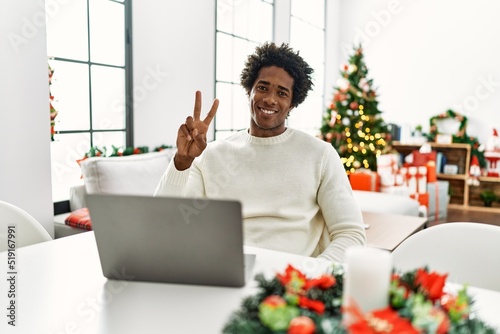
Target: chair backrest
(468, 252)
(28, 230)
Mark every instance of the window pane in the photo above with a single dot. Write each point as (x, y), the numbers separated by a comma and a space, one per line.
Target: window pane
(67, 29)
(307, 116)
(109, 139)
(260, 29)
(233, 112)
(224, 117)
(245, 24)
(108, 99)
(307, 35)
(225, 15)
(107, 32)
(224, 57)
(241, 110)
(309, 40)
(241, 51)
(70, 88)
(231, 56)
(312, 11)
(241, 17)
(65, 151)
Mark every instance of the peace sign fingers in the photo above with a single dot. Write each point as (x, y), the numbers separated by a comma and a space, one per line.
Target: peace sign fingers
(197, 106)
(197, 110)
(211, 113)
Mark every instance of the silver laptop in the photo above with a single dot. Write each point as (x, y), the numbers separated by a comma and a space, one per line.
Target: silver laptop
(169, 239)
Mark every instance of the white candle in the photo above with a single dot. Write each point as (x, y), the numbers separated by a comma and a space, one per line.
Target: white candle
(367, 279)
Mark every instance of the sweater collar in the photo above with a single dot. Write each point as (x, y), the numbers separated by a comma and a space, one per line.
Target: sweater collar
(268, 140)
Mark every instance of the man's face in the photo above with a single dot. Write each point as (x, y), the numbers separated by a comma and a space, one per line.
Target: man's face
(270, 102)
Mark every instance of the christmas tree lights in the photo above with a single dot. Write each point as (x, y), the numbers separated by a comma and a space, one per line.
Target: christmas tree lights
(353, 123)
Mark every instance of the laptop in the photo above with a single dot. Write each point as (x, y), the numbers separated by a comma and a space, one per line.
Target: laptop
(170, 239)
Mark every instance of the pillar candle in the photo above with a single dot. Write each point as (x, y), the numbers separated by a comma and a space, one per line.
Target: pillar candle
(367, 279)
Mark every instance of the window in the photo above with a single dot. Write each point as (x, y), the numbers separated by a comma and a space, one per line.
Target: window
(89, 50)
(241, 26)
(307, 34)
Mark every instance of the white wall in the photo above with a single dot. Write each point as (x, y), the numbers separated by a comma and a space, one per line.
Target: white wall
(25, 178)
(428, 56)
(175, 40)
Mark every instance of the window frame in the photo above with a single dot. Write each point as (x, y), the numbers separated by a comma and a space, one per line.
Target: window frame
(63, 206)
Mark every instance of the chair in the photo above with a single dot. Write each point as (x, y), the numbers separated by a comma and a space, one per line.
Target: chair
(468, 252)
(28, 229)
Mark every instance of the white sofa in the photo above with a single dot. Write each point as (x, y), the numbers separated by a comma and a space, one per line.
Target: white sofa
(136, 174)
(139, 175)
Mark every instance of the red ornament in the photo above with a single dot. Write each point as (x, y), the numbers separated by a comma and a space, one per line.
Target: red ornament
(301, 325)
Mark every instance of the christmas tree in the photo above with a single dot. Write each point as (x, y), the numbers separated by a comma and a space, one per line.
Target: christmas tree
(353, 123)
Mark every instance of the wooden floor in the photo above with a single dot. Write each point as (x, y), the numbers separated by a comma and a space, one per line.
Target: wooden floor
(459, 215)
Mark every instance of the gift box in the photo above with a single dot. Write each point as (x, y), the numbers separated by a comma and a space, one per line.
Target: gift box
(438, 200)
(402, 190)
(422, 198)
(428, 160)
(365, 180)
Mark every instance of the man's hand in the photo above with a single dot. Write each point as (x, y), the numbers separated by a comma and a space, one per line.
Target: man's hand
(192, 135)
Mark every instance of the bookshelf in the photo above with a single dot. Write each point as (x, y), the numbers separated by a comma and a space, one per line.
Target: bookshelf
(462, 195)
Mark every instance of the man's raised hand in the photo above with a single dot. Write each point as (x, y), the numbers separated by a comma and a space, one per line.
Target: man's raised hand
(192, 135)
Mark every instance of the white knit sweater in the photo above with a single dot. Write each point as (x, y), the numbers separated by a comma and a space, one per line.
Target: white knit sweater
(293, 188)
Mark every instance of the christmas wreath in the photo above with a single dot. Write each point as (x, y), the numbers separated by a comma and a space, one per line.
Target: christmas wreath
(294, 304)
(459, 137)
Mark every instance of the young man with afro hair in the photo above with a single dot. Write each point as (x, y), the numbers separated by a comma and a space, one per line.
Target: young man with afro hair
(293, 188)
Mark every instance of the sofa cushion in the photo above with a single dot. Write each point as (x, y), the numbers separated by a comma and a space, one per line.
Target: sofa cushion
(137, 174)
(370, 201)
(80, 219)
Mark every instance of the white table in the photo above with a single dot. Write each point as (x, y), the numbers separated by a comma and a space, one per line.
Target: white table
(61, 289)
(388, 230)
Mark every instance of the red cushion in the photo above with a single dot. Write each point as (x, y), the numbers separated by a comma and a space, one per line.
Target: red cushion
(80, 219)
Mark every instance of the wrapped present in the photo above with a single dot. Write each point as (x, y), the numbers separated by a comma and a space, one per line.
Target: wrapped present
(364, 179)
(426, 159)
(438, 200)
(423, 198)
(402, 190)
(388, 163)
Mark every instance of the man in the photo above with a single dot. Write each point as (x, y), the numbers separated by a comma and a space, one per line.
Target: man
(293, 188)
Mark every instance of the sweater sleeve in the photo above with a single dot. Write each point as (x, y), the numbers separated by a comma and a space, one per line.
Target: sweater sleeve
(180, 183)
(343, 219)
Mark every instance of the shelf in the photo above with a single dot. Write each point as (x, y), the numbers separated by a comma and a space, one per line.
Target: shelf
(489, 179)
(463, 196)
(456, 154)
(435, 145)
(474, 208)
(462, 177)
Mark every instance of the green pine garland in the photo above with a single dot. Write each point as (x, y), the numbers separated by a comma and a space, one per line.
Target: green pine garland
(407, 297)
